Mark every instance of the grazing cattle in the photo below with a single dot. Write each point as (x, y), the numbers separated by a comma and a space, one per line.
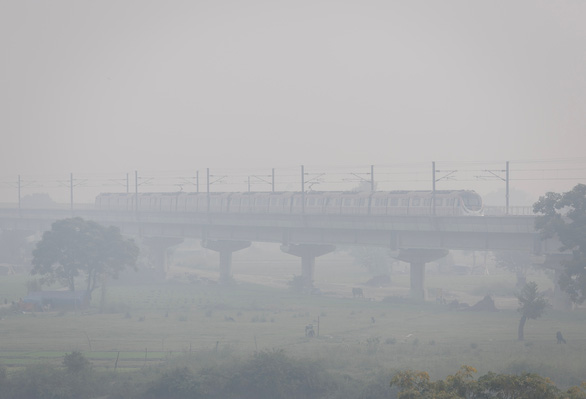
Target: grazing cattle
(560, 338)
(357, 292)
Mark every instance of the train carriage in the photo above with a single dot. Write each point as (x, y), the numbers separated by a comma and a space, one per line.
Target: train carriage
(261, 203)
(315, 202)
(115, 201)
(219, 202)
(392, 203)
(280, 202)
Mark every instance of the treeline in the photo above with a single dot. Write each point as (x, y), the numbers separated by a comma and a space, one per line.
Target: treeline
(265, 375)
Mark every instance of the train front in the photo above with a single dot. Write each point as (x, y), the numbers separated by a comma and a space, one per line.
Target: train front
(471, 203)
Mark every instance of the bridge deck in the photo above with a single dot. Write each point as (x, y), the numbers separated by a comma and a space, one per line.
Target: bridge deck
(454, 232)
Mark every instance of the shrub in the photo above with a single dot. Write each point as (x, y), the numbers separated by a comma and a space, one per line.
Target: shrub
(177, 383)
(75, 362)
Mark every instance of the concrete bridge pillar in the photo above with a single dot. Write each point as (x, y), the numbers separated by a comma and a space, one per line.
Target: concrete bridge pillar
(307, 253)
(158, 247)
(225, 249)
(417, 258)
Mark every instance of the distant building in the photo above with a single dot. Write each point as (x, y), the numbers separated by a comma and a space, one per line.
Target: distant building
(54, 300)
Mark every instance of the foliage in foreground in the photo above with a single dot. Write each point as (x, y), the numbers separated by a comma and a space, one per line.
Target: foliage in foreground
(462, 385)
(267, 374)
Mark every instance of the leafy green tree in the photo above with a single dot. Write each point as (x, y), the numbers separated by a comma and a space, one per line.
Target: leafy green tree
(462, 385)
(517, 262)
(564, 216)
(413, 384)
(523, 386)
(417, 385)
(532, 305)
(75, 246)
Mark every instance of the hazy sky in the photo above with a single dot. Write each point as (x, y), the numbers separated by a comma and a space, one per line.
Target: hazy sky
(119, 85)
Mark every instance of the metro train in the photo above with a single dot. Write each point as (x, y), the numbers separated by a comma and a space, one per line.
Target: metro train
(392, 203)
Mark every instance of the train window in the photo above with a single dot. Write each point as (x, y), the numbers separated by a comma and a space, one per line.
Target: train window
(274, 201)
(394, 201)
(286, 202)
(439, 202)
(377, 202)
(361, 202)
(311, 202)
(297, 201)
(404, 201)
(338, 201)
(457, 201)
(320, 201)
(416, 201)
(244, 201)
(347, 202)
(427, 201)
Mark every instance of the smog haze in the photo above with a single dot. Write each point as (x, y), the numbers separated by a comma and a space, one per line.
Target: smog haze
(118, 86)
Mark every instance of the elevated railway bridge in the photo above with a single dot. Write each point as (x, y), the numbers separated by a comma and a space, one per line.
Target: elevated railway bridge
(415, 239)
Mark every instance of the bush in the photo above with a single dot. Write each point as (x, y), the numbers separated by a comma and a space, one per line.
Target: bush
(177, 383)
(40, 381)
(272, 374)
(75, 362)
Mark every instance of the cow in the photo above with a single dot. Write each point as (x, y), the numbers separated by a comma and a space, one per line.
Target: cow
(560, 338)
(357, 292)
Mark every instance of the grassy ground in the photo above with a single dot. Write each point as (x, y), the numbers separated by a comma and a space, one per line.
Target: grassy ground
(149, 323)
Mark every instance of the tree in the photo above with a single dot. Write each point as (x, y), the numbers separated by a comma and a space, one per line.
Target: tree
(462, 385)
(517, 262)
(376, 260)
(532, 304)
(523, 386)
(74, 246)
(564, 216)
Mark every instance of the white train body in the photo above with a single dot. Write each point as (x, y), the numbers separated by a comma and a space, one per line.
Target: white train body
(379, 203)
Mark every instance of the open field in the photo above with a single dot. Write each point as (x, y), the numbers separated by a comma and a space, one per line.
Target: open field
(148, 324)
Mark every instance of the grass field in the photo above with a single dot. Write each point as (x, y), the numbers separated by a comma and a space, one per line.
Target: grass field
(148, 324)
